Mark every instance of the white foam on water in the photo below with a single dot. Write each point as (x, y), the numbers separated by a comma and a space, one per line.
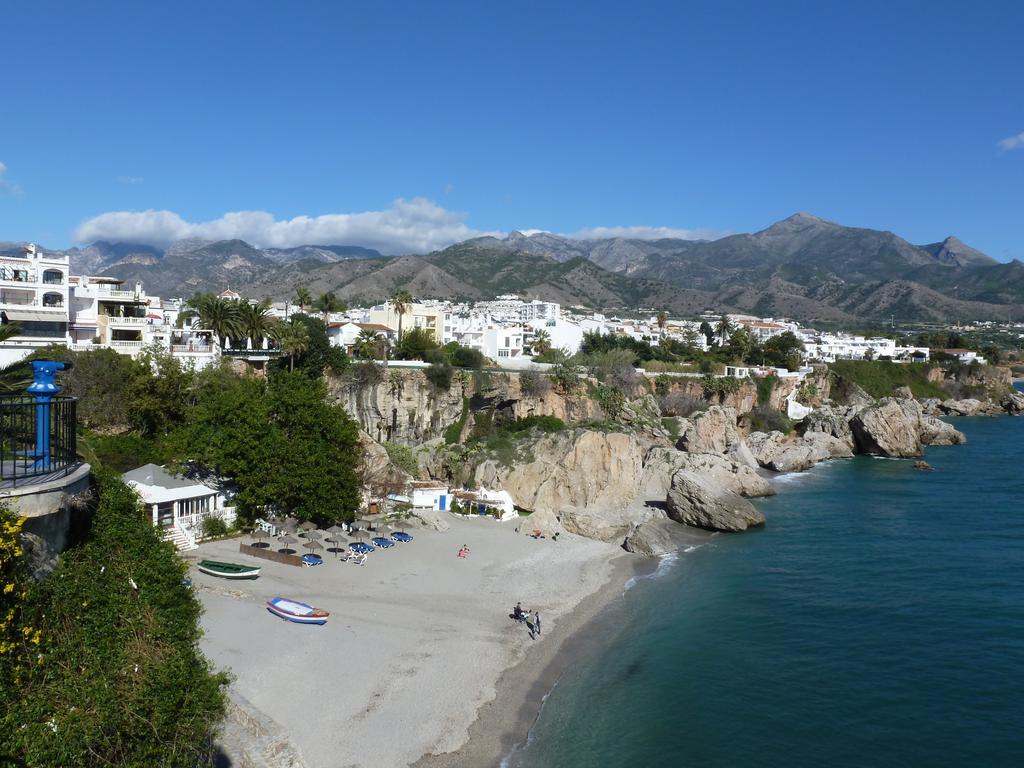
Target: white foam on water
(505, 761)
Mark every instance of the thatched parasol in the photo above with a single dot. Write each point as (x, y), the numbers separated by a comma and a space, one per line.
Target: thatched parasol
(287, 541)
(259, 534)
(312, 535)
(311, 545)
(308, 525)
(335, 536)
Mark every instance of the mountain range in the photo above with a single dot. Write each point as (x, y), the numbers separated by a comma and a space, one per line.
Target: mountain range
(803, 267)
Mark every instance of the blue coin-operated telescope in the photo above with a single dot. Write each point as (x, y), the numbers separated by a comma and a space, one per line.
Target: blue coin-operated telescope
(44, 387)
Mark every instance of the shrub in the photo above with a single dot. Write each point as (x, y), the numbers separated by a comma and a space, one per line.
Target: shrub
(453, 431)
(680, 404)
(366, 374)
(440, 376)
(880, 377)
(566, 377)
(214, 527)
(533, 384)
(765, 419)
(765, 386)
(543, 423)
(611, 399)
(402, 457)
(719, 385)
(465, 357)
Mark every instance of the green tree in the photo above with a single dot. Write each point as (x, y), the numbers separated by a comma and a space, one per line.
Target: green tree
(294, 340)
(318, 354)
(370, 344)
(662, 322)
(218, 314)
(256, 322)
(159, 393)
(401, 302)
(541, 342)
(707, 332)
(303, 298)
(119, 678)
(416, 344)
(328, 303)
(724, 330)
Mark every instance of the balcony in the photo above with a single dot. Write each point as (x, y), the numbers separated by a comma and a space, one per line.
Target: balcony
(35, 444)
(134, 322)
(191, 349)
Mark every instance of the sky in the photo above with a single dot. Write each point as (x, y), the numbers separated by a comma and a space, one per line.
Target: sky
(408, 126)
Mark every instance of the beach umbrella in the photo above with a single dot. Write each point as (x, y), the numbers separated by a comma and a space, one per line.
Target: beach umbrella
(290, 521)
(259, 534)
(336, 539)
(287, 541)
(288, 527)
(308, 525)
(311, 545)
(311, 534)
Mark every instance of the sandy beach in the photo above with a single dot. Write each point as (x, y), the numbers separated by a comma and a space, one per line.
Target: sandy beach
(417, 642)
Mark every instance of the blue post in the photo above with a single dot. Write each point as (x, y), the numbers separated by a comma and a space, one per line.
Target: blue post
(44, 387)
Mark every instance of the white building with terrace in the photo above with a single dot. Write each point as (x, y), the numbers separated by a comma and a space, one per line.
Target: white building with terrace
(34, 289)
(178, 505)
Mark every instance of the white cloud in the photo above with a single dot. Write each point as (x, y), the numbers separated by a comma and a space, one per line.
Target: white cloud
(130, 179)
(646, 233)
(6, 185)
(408, 226)
(1012, 142)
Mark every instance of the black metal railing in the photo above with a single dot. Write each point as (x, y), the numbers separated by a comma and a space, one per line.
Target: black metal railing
(35, 439)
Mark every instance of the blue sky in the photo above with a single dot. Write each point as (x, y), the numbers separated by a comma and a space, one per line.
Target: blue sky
(151, 121)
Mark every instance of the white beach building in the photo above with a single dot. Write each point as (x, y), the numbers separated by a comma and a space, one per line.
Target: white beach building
(177, 505)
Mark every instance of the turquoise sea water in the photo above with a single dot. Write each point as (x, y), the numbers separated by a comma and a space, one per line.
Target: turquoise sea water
(877, 620)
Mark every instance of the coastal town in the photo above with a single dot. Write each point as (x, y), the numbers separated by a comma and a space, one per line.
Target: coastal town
(483, 454)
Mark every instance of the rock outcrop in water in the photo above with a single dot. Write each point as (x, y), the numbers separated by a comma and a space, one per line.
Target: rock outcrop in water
(652, 538)
(696, 500)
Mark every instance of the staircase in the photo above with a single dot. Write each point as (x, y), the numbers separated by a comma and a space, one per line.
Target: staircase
(182, 541)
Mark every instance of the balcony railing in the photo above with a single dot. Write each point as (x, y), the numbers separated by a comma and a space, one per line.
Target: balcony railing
(191, 349)
(21, 455)
(114, 320)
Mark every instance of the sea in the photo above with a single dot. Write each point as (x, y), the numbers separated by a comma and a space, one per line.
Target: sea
(876, 620)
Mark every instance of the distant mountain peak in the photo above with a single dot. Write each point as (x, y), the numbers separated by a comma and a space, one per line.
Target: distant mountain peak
(956, 253)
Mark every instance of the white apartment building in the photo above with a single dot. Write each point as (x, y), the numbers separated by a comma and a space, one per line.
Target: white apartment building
(496, 340)
(510, 308)
(52, 306)
(829, 347)
(564, 334)
(34, 293)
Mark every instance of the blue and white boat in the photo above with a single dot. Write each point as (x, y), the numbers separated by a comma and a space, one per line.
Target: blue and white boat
(300, 613)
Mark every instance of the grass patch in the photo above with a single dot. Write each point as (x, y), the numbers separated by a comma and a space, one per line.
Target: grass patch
(880, 378)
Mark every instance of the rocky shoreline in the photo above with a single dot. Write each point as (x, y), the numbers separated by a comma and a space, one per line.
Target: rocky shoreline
(631, 481)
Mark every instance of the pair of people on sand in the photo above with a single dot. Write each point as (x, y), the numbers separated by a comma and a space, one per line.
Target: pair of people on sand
(533, 622)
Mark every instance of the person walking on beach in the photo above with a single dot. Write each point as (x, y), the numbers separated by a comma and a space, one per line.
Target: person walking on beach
(536, 622)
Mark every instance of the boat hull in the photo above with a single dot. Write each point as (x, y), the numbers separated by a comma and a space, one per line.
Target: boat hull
(308, 614)
(213, 570)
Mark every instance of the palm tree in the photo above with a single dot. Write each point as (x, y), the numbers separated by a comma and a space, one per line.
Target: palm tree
(401, 301)
(294, 340)
(724, 330)
(541, 342)
(303, 298)
(257, 322)
(328, 303)
(662, 322)
(369, 344)
(217, 314)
